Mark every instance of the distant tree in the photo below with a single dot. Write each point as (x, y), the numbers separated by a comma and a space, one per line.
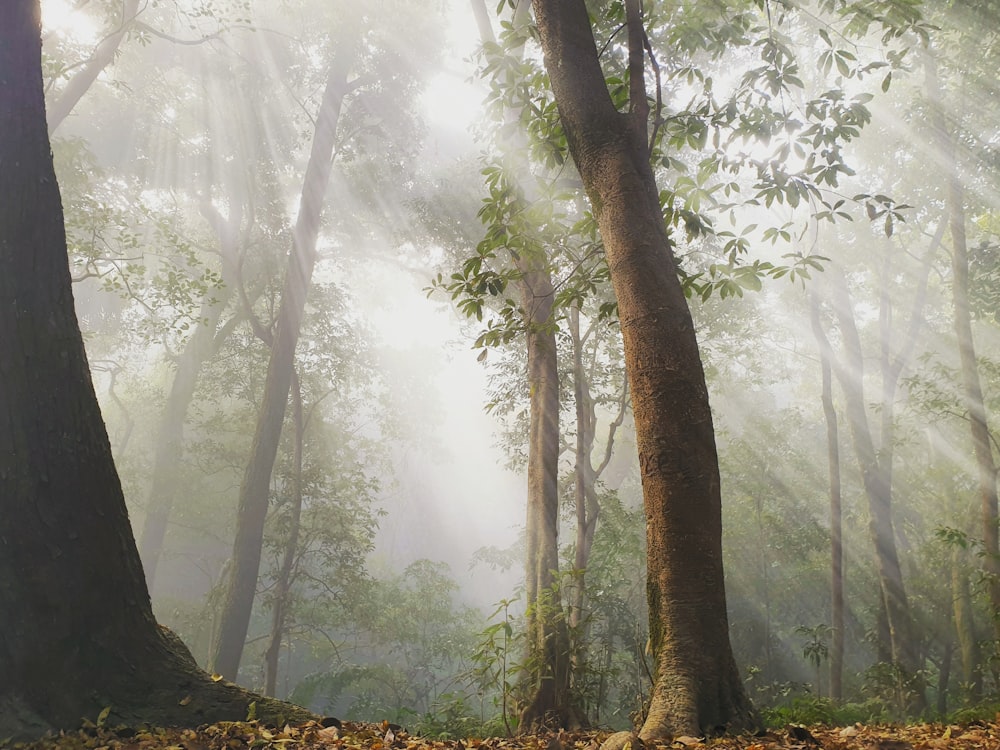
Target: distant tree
(253, 499)
(79, 634)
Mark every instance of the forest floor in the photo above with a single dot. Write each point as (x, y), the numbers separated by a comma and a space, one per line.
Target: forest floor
(351, 736)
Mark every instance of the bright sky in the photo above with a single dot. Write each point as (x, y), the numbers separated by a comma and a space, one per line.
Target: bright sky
(60, 15)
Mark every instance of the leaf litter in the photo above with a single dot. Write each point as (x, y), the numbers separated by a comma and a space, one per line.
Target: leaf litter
(331, 734)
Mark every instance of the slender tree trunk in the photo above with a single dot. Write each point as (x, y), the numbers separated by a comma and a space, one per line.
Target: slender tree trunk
(78, 629)
(944, 676)
(203, 343)
(876, 481)
(697, 685)
(85, 76)
(836, 513)
(584, 492)
(965, 627)
(252, 509)
(986, 470)
(975, 408)
(283, 584)
(585, 496)
(547, 662)
(547, 658)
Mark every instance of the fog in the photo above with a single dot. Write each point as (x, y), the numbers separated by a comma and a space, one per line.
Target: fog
(825, 241)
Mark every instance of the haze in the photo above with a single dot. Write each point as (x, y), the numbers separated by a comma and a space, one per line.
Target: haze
(183, 167)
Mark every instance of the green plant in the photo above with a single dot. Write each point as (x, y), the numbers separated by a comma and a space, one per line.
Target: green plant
(816, 650)
(493, 665)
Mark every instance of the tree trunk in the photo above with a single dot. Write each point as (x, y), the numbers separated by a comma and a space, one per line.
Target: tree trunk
(975, 409)
(836, 513)
(547, 673)
(876, 480)
(84, 78)
(965, 627)
(547, 658)
(697, 686)
(78, 630)
(283, 584)
(585, 498)
(972, 396)
(203, 343)
(252, 509)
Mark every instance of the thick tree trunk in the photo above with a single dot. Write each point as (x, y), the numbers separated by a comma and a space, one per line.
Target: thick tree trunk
(836, 513)
(78, 630)
(697, 686)
(252, 509)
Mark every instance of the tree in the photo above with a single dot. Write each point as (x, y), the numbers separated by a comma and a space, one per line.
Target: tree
(254, 489)
(79, 633)
(836, 508)
(697, 686)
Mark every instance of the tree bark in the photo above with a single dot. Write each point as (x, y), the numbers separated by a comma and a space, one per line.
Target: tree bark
(252, 509)
(697, 686)
(78, 629)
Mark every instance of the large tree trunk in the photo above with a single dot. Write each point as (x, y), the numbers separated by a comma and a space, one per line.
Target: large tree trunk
(78, 630)
(697, 686)
(252, 509)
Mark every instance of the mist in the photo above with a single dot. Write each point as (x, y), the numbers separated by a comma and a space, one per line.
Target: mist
(838, 242)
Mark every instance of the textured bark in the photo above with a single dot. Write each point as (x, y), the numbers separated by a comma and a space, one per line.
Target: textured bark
(836, 513)
(697, 685)
(78, 632)
(253, 501)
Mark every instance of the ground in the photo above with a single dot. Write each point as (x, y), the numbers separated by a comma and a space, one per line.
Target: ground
(385, 736)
